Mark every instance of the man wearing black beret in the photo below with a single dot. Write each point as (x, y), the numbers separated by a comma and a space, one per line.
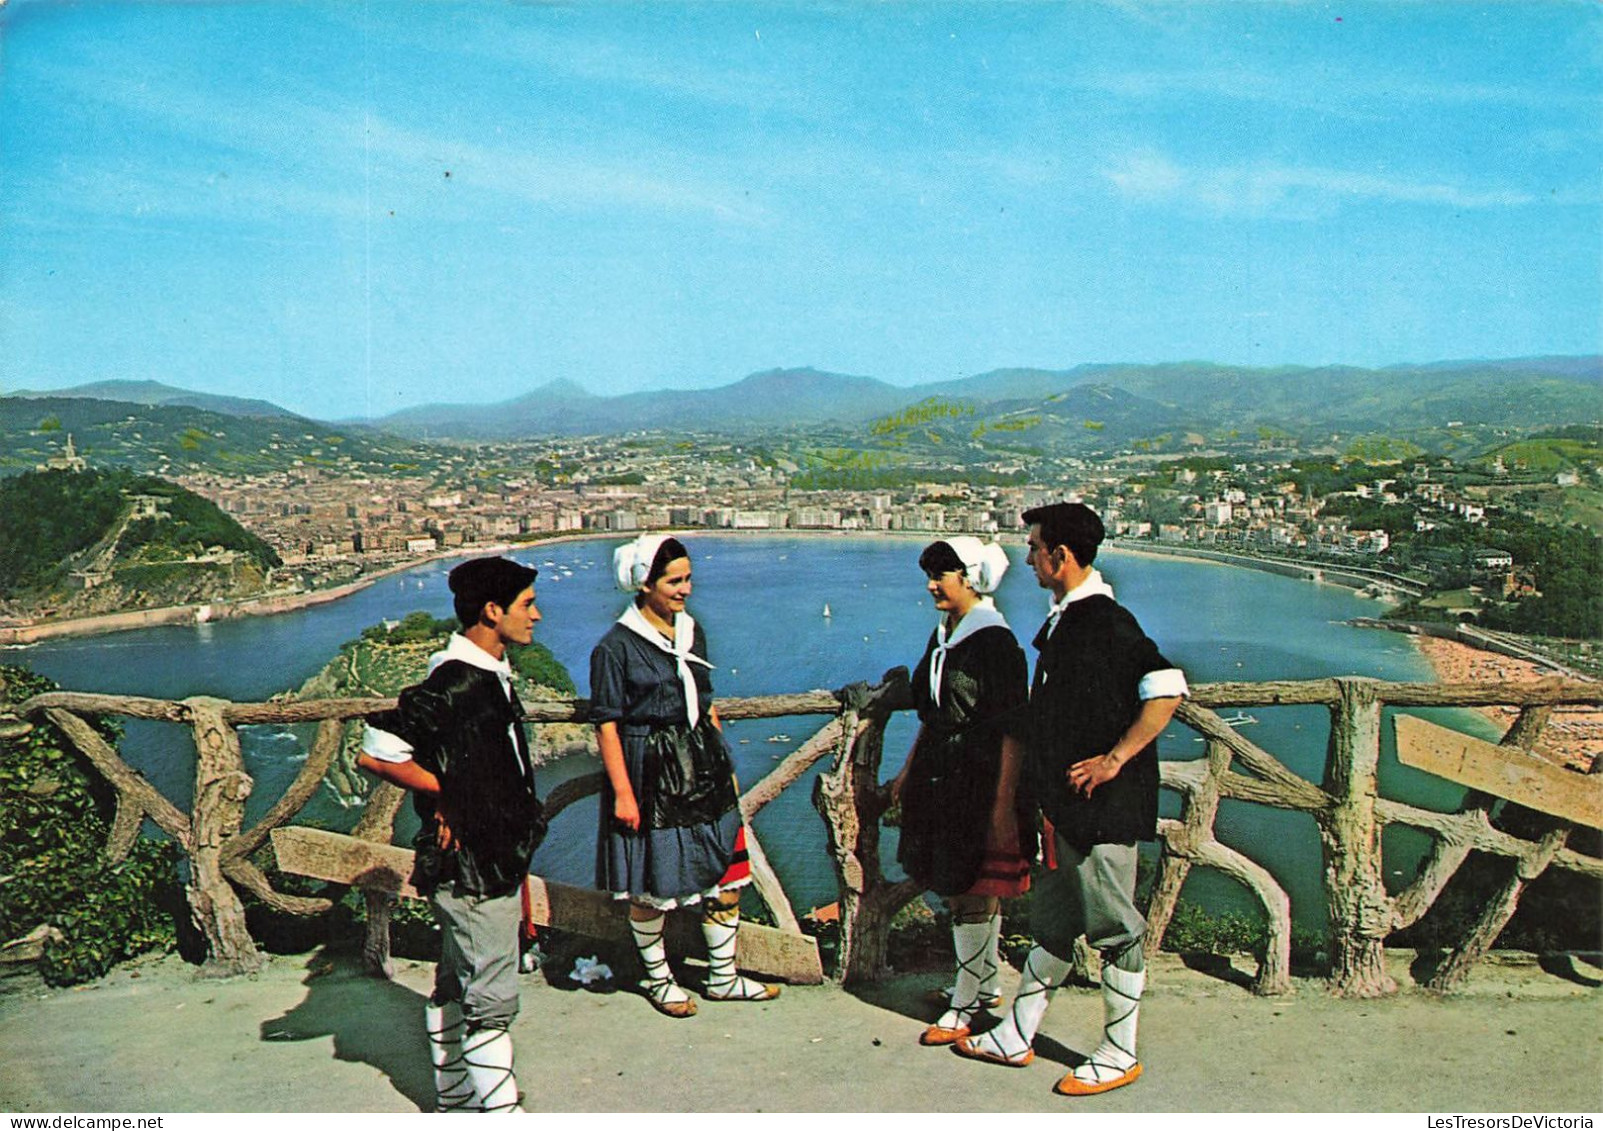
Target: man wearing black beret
(1101, 695)
(456, 742)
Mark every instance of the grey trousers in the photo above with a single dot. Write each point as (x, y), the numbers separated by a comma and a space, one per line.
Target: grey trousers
(1090, 894)
(478, 955)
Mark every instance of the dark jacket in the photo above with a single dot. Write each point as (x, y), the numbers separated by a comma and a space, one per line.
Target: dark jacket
(1083, 699)
(460, 724)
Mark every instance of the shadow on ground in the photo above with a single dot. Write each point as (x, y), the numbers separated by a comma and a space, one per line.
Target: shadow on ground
(372, 1021)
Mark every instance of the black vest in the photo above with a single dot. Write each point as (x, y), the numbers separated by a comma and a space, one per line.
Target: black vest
(461, 726)
(1083, 699)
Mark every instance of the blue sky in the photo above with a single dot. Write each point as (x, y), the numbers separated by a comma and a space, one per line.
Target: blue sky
(351, 208)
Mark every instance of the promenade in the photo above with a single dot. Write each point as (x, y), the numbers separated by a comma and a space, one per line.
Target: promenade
(313, 1034)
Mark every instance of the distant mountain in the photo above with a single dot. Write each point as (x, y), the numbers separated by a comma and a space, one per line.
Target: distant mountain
(1522, 393)
(1200, 396)
(155, 393)
(778, 398)
(175, 438)
(532, 413)
(1085, 408)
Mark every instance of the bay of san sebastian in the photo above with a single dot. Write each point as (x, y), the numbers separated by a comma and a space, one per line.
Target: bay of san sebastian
(762, 601)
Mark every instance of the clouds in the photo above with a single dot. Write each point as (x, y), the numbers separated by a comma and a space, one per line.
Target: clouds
(1150, 177)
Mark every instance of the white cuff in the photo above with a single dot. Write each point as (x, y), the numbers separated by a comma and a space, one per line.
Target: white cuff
(1166, 683)
(382, 746)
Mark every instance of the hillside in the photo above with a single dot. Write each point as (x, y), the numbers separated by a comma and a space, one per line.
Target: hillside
(173, 439)
(1459, 408)
(98, 541)
(155, 393)
(779, 398)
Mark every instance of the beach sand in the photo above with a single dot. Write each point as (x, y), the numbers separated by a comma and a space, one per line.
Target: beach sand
(1573, 736)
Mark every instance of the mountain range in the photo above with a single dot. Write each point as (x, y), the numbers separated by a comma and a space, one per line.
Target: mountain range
(1088, 405)
(1521, 392)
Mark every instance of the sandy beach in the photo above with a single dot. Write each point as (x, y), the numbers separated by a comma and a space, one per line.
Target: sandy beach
(1573, 736)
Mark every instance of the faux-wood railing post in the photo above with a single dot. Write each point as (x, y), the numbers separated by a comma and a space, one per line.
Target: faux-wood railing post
(1360, 910)
(1198, 809)
(377, 824)
(1500, 907)
(221, 786)
(851, 802)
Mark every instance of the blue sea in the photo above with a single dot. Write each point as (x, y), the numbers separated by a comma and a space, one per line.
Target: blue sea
(761, 601)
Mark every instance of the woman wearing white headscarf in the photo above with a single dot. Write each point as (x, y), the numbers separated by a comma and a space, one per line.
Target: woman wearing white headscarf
(671, 832)
(962, 819)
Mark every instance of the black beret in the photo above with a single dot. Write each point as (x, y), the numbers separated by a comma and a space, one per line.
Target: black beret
(490, 579)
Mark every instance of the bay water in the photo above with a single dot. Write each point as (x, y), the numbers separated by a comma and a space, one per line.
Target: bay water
(761, 600)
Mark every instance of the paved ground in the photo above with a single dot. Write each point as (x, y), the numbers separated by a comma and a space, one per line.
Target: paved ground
(313, 1034)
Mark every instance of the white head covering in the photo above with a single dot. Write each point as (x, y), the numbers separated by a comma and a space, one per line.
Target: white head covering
(984, 563)
(631, 562)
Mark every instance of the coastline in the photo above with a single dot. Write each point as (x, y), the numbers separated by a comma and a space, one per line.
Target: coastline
(1310, 571)
(1573, 736)
(21, 636)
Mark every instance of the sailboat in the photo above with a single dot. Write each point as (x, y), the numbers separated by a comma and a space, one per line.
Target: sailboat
(827, 613)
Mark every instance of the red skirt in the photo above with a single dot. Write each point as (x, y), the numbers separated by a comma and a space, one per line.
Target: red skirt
(739, 870)
(1002, 874)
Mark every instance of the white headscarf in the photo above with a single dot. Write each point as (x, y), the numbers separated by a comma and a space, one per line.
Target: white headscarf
(631, 565)
(631, 562)
(984, 563)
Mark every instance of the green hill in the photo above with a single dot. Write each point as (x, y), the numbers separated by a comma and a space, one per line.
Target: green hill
(393, 655)
(175, 438)
(80, 538)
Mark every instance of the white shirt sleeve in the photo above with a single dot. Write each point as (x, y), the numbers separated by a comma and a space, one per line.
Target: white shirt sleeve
(382, 746)
(1166, 683)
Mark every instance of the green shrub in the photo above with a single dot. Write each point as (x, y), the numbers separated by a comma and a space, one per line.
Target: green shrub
(55, 817)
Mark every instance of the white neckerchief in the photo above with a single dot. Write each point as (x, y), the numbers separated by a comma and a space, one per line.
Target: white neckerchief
(684, 634)
(1092, 586)
(984, 614)
(459, 647)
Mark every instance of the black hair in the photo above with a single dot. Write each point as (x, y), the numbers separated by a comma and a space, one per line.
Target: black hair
(939, 558)
(669, 552)
(1074, 526)
(482, 581)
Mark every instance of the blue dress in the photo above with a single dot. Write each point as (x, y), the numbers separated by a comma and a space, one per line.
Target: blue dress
(637, 686)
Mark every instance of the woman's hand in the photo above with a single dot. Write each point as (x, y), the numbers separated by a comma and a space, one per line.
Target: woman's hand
(444, 838)
(626, 811)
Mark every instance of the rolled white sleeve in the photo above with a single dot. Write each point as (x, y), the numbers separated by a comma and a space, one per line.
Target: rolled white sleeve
(1165, 683)
(382, 746)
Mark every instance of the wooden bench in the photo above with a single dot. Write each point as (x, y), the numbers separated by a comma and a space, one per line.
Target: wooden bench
(383, 869)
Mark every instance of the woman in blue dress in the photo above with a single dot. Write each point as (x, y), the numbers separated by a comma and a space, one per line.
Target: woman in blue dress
(671, 833)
